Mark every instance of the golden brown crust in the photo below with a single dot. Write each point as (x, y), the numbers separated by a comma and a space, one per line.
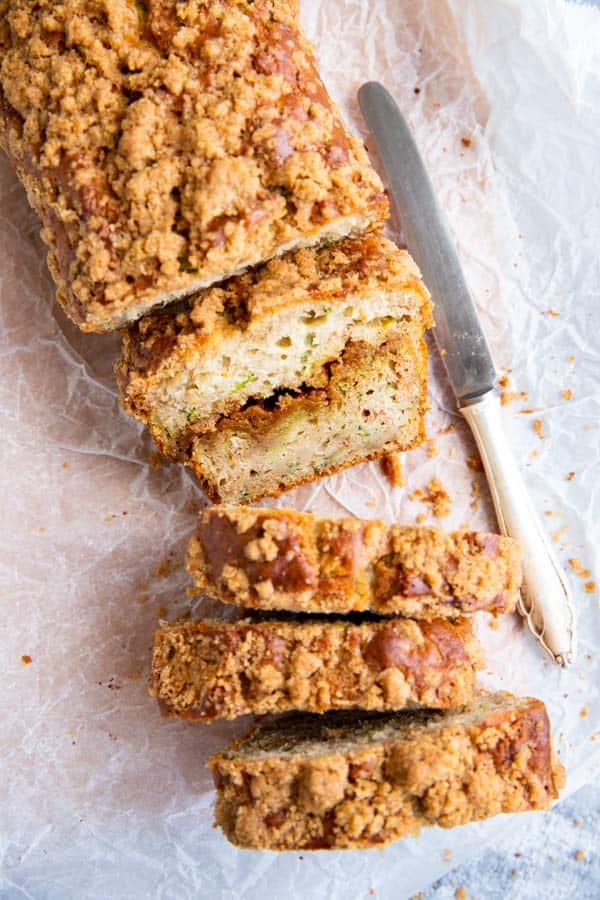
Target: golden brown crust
(168, 145)
(325, 786)
(208, 670)
(285, 559)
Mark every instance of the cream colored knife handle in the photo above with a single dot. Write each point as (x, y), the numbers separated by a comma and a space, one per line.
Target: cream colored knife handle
(545, 601)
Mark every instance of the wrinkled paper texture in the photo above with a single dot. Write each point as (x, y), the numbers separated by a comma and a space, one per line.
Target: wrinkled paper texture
(100, 796)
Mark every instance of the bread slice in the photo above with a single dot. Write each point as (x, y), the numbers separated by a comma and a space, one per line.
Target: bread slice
(374, 402)
(325, 782)
(167, 146)
(285, 559)
(277, 328)
(208, 670)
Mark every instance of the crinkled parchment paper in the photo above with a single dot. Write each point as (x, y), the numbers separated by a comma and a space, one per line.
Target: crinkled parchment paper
(100, 797)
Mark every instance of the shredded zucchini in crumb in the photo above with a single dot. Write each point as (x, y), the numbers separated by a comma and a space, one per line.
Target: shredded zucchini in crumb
(240, 384)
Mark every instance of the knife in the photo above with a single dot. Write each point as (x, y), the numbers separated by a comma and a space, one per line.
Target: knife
(545, 600)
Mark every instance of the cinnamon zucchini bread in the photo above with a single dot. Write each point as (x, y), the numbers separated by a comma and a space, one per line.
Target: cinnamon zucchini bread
(290, 560)
(167, 145)
(208, 670)
(333, 782)
(274, 329)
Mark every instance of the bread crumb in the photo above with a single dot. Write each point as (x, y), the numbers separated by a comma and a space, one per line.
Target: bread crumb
(475, 494)
(461, 893)
(578, 823)
(494, 623)
(447, 429)
(447, 854)
(436, 497)
(165, 568)
(161, 611)
(391, 466)
(580, 855)
(26, 659)
(156, 460)
(507, 397)
(65, 465)
(578, 568)
(465, 141)
(567, 394)
(588, 427)
(558, 533)
(503, 381)
(570, 476)
(534, 454)
(432, 448)
(571, 358)
(589, 587)
(538, 428)
(553, 312)
(474, 463)
(422, 517)
(583, 712)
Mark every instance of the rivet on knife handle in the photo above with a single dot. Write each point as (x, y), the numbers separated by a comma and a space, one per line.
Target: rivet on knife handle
(546, 601)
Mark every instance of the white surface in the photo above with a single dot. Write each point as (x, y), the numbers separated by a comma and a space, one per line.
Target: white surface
(100, 797)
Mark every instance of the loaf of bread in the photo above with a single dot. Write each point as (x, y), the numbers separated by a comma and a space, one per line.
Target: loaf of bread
(289, 560)
(310, 363)
(334, 782)
(208, 670)
(168, 145)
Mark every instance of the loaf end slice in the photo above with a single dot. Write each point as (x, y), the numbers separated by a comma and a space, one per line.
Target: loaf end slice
(167, 146)
(289, 560)
(210, 669)
(329, 783)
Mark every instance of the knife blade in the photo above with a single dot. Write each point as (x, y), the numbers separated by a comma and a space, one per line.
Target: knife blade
(545, 601)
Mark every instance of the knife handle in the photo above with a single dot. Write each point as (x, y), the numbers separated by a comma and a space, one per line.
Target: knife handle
(545, 600)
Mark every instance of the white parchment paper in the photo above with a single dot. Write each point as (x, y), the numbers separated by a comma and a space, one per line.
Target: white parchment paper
(100, 797)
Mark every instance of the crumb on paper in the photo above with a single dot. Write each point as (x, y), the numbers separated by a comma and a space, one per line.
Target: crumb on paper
(156, 460)
(465, 141)
(418, 896)
(588, 427)
(461, 893)
(447, 429)
(416, 495)
(507, 397)
(161, 611)
(558, 533)
(534, 454)
(417, 90)
(580, 855)
(538, 428)
(438, 498)
(567, 394)
(494, 623)
(570, 476)
(571, 358)
(504, 381)
(26, 659)
(552, 312)
(391, 466)
(422, 517)
(578, 568)
(589, 587)
(475, 494)
(578, 823)
(42, 529)
(134, 675)
(164, 568)
(432, 448)
(447, 854)
(65, 464)
(474, 463)
(371, 892)
(583, 712)
(143, 598)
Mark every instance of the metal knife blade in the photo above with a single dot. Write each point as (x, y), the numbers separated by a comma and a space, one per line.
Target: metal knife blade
(458, 331)
(545, 601)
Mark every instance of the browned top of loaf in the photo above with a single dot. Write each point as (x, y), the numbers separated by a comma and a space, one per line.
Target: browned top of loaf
(285, 559)
(167, 143)
(334, 273)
